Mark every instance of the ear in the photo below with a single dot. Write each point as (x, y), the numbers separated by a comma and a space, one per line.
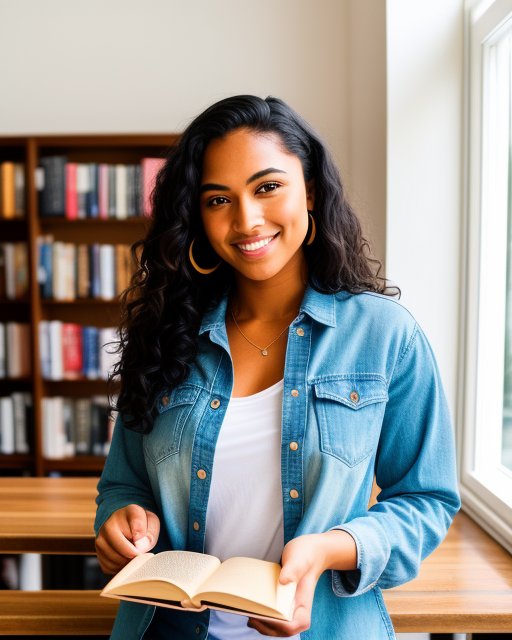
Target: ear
(310, 193)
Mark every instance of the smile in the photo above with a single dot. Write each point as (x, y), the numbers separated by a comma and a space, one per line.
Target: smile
(255, 248)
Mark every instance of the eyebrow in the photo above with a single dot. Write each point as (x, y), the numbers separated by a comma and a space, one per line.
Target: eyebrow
(220, 187)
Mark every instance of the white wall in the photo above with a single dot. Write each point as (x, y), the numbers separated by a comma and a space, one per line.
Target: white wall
(131, 66)
(153, 65)
(424, 159)
(367, 108)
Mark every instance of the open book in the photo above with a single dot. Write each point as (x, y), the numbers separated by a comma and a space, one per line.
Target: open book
(195, 581)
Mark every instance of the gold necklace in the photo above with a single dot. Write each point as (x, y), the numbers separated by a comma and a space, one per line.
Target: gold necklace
(264, 351)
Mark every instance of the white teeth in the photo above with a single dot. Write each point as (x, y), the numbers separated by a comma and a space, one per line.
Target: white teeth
(255, 245)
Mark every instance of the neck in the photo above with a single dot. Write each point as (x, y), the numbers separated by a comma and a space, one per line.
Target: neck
(274, 299)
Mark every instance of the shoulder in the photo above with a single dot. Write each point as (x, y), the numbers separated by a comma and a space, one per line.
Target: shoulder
(371, 303)
(384, 318)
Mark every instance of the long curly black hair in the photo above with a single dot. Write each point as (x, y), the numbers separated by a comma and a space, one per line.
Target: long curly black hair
(161, 310)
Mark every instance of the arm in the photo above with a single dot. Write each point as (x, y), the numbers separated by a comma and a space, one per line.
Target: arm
(124, 480)
(416, 470)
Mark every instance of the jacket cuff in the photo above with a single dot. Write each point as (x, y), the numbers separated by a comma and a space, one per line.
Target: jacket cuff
(372, 558)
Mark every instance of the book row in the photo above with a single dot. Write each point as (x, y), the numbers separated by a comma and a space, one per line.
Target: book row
(77, 426)
(79, 190)
(16, 422)
(70, 351)
(15, 350)
(14, 270)
(67, 271)
(12, 190)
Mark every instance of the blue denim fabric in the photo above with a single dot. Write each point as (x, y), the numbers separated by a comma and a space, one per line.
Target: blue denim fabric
(370, 399)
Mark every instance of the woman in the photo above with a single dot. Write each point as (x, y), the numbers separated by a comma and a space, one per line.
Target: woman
(256, 309)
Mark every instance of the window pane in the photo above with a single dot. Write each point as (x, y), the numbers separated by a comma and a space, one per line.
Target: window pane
(506, 445)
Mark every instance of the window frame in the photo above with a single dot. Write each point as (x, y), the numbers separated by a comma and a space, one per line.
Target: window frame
(486, 492)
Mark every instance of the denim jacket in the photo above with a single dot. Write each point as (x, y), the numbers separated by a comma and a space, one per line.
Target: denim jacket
(362, 395)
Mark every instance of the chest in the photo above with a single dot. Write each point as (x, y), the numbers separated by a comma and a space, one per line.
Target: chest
(252, 371)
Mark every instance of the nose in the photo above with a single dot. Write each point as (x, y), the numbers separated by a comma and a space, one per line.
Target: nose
(248, 216)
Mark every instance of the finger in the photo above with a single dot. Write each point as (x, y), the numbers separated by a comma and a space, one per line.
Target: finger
(117, 537)
(105, 552)
(137, 520)
(147, 542)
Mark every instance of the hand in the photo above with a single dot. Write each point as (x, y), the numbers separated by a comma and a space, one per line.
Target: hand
(128, 532)
(303, 562)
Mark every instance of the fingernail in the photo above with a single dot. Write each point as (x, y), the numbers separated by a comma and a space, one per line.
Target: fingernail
(143, 544)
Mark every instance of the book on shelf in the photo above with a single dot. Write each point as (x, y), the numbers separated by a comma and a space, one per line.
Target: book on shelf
(67, 271)
(16, 420)
(195, 581)
(76, 426)
(14, 270)
(12, 190)
(69, 351)
(81, 190)
(15, 350)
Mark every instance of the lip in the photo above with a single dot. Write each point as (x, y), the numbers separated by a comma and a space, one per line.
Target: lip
(258, 252)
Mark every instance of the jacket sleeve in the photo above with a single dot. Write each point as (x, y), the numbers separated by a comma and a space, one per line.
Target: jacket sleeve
(125, 478)
(415, 468)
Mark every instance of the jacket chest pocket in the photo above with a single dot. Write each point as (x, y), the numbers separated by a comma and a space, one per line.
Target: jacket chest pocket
(175, 409)
(349, 410)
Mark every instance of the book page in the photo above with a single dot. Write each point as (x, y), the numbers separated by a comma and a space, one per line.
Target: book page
(238, 582)
(186, 569)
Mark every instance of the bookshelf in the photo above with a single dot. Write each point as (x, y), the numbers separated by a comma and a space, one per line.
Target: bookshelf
(32, 309)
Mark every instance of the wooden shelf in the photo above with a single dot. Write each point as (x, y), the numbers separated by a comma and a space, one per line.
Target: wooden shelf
(80, 301)
(16, 461)
(101, 148)
(139, 220)
(15, 301)
(77, 463)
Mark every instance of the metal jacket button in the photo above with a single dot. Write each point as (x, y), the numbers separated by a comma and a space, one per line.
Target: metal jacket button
(165, 400)
(295, 393)
(354, 397)
(196, 526)
(201, 474)
(300, 331)
(294, 494)
(215, 403)
(294, 446)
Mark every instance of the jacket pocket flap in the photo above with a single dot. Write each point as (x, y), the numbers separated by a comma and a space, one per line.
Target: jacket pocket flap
(178, 396)
(353, 391)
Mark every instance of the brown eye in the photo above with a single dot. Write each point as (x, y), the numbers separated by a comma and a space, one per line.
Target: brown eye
(269, 184)
(211, 202)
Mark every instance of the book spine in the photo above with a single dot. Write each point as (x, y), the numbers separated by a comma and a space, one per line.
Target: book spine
(121, 203)
(71, 196)
(19, 190)
(6, 425)
(103, 191)
(8, 190)
(93, 190)
(111, 191)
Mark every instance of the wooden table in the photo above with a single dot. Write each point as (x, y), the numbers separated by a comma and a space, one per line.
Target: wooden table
(47, 515)
(464, 586)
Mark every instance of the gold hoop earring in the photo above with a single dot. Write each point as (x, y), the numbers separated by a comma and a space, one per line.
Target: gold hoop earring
(194, 263)
(313, 229)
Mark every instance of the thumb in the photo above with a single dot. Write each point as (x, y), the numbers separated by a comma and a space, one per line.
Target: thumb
(152, 532)
(145, 527)
(288, 574)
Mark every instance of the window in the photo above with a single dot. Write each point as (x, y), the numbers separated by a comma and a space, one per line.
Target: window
(486, 392)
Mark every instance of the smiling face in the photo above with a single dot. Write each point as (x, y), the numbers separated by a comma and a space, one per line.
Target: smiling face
(254, 203)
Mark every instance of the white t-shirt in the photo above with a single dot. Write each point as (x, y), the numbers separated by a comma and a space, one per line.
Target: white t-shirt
(245, 506)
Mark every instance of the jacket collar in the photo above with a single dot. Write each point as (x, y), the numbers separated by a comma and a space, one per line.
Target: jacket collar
(320, 306)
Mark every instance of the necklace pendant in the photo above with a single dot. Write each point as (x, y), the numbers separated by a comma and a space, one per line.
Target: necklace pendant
(264, 352)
